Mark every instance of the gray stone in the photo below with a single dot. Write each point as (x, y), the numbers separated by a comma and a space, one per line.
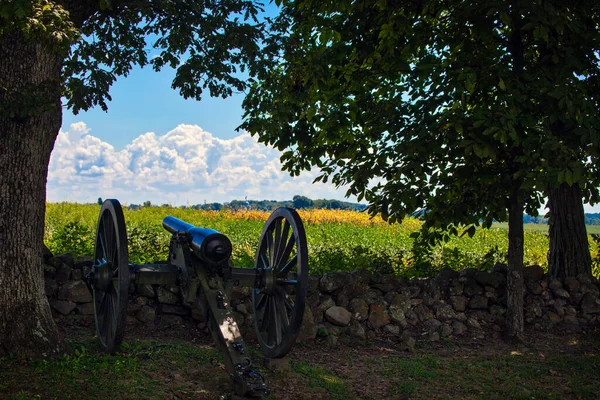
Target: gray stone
(423, 312)
(146, 290)
(473, 323)
(46, 253)
(485, 278)
(433, 337)
(356, 331)
(392, 329)
(584, 278)
(533, 273)
(62, 306)
(458, 328)
(362, 275)
(590, 304)
(76, 291)
(165, 296)
(587, 287)
(472, 288)
(385, 287)
(333, 281)
(49, 270)
(570, 319)
(457, 289)
(378, 316)
(410, 292)
(326, 303)
(445, 312)
(555, 284)
(409, 343)
(63, 274)
(396, 314)
(432, 324)
(241, 308)
(571, 284)
(50, 286)
(561, 293)
(342, 300)
(141, 300)
(67, 259)
(83, 261)
(459, 303)
(146, 314)
(338, 316)
(478, 302)
(308, 329)
(359, 309)
(175, 310)
(497, 310)
(534, 288)
(85, 309)
(77, 275)
(446, 330)
(313, 284)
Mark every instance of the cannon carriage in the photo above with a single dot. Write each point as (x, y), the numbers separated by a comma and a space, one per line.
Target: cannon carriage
(200, 263)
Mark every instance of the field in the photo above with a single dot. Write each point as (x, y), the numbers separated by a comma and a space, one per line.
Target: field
(337, 240)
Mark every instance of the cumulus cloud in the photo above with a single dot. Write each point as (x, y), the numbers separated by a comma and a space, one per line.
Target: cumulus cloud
(184, 166)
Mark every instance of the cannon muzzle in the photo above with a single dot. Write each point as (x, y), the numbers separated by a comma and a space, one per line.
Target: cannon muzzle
(207, 244)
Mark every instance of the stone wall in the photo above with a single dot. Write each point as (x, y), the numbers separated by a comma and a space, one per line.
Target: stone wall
(353, 307)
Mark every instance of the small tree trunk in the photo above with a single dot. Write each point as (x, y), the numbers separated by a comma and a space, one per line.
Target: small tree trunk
(569, 253)
(514, 278)
(30, 117)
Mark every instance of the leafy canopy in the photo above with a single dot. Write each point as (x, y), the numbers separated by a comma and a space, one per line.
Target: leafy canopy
(455, 107)
(212, 44)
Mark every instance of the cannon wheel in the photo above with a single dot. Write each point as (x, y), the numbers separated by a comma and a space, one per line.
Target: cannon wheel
(278, 302)
(110, 282)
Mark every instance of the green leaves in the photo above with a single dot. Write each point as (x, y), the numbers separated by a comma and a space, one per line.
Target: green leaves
(213, 46)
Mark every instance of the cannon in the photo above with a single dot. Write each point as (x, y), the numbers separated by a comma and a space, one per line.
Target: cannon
(200, 264)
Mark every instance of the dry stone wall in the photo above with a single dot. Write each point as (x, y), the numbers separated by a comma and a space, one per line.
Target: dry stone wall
(354, 307)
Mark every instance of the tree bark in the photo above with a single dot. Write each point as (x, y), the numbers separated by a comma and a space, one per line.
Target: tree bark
(569, 253)
(30, 118)
(514, 277)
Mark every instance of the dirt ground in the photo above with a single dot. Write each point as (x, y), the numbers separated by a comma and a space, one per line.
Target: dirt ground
(546, 365)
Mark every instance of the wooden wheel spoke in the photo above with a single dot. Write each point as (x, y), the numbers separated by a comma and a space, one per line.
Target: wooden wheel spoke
(277, 243)
(266, 316)
(287, 267)
(269, 248)
(277, 322)
(261, 302)
(283, 313)
(282, 251)
(264, 260)
(287, 252)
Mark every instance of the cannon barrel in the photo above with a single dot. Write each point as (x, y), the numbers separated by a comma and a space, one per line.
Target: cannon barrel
(207, 244)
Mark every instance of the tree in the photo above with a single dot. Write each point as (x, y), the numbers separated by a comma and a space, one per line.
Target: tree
(446, 106)
(76, 49)
(302, 202)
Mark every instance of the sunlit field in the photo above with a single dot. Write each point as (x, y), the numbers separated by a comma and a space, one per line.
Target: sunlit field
(337, 240)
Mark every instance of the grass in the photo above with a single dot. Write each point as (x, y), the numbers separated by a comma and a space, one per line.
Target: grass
(180, 369)
(591, 229)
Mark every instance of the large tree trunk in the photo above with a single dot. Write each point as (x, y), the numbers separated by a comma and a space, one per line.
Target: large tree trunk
(569, 253)
(514, 277)
(30, 118)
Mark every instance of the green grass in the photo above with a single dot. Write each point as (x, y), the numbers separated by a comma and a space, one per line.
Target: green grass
(591, 229)
(550, 369)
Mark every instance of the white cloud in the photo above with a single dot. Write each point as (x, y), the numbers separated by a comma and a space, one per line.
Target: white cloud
(185, 165)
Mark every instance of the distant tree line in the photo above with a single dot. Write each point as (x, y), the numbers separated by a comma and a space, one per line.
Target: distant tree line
(298, 202)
